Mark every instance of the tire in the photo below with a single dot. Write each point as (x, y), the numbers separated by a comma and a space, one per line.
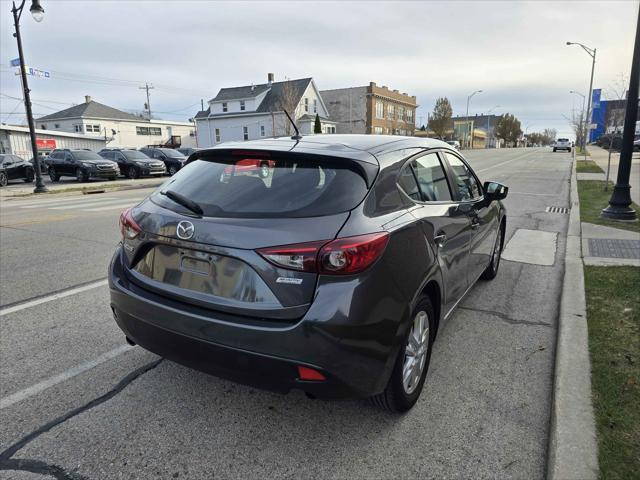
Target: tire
(132, 172)
(81, 176)
(30, 175)
(172, 170)
(569, 150)
(53, 175)
(492, 270)
(112, 179)
(3, 179)
(399, 396)
(264, 170)
(554, 150)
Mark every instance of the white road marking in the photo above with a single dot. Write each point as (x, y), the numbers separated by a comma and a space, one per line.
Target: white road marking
(504, 163)
(53, 201)
(532, 246)
(131, 201)
(50, 298)
(62, 377)
(111, 207)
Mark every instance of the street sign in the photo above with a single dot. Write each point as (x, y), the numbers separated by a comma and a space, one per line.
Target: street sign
(15, 62)
(35, 72)
(593, 126)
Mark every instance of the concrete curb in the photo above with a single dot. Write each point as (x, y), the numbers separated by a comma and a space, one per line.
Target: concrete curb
(573, 446)
(90, 187)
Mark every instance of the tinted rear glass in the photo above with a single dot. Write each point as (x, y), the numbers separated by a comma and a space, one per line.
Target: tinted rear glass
(134, 155)
(171, 153)
(249, 187)
(563, 139)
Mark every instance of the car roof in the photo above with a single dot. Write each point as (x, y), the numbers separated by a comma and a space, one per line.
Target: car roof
(357, 147)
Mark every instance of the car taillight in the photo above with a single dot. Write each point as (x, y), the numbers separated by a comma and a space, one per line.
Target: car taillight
(128, 226)
(343, 256)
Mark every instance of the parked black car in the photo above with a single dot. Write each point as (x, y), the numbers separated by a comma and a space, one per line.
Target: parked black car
(12, 167)
(332, 275)
(172, 159)
(133, 163)
(82, 164)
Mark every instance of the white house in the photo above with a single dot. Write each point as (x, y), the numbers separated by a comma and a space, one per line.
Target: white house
(118, 128)
(257, 111)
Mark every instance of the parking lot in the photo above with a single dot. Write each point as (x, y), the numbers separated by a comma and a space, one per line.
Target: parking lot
(77, 402)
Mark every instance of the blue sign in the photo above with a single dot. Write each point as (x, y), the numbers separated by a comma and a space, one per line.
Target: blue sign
(15, 62)
(595, 98)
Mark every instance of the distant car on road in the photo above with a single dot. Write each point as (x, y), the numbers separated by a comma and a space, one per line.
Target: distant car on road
(12, 167)
(173, 159)
(454, 143)
(562, 144)
(82, 164)
(330, 276)
(133, 163)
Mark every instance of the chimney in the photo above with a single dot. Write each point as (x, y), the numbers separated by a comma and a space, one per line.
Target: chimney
(396, 91)
(372, 84)
(87, 98)
(270, 78)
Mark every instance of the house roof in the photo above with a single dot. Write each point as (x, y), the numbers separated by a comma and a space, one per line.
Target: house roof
(91, 109)
(311, 117)
(272, 100)
(203, 113)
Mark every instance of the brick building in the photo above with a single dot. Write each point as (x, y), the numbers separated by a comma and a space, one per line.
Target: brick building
(371, 109)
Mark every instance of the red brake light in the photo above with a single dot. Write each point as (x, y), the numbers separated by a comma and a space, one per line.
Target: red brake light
(349, 255)
(128, 226)
(343, 256)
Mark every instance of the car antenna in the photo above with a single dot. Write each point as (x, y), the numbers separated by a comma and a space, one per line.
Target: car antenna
(297, 136)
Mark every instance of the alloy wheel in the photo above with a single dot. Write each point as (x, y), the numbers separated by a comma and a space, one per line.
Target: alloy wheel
(3, 179)
(416, 352)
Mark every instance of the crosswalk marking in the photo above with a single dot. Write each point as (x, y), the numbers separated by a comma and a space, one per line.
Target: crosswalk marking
(94, 204)
(110, 207)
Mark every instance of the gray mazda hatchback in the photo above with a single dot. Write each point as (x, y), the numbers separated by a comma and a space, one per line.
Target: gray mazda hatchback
(325, 264)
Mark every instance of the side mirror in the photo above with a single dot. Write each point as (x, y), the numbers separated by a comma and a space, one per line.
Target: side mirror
(495, 191)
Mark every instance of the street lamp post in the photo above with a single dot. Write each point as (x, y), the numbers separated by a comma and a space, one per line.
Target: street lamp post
(490, 110)
(620, 202)
(592, 53)
(38, 13)
(466, 127)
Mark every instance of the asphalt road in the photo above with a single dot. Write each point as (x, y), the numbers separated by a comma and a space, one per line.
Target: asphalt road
(77, 402)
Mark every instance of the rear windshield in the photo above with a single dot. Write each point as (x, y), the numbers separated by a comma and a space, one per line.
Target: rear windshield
(86, 155)
(171, 153)
(563, 139)
(248, 187)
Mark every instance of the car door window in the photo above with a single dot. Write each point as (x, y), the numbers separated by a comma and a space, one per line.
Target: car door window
(432, 180)
(466, 185)
(408, 184)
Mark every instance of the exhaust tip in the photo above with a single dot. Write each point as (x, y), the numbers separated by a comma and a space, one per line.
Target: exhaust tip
(130, 342)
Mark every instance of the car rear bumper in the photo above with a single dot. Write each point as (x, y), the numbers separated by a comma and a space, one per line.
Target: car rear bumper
(356, 355)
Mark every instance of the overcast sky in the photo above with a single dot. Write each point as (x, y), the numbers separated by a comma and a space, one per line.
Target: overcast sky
(514, 51)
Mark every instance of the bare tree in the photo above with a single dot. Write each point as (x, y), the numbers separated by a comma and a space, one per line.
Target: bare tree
(614, 119)
(289, 98)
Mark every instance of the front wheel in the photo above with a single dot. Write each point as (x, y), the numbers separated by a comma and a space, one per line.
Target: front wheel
(172, 170)
(264, 170)
(412, 363)
(569, 150)
(29, 176)
(132, 172)
(81, 176)
(53, 175)
(3, 179)
(554, 150)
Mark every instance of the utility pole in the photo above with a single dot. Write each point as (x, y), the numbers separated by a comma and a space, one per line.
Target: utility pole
(620, 203)
(467, 125)
(147, 87)
(592, 53)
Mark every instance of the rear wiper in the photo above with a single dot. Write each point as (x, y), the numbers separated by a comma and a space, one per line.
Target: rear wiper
(184, 201)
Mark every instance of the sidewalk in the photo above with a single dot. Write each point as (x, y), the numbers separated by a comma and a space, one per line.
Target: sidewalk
(606, 246)
(67, 187)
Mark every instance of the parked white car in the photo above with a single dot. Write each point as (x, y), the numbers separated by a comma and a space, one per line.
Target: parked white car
(562, 144)
(454, 143)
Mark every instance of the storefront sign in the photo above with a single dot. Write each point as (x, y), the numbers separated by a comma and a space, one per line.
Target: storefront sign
(46, 143)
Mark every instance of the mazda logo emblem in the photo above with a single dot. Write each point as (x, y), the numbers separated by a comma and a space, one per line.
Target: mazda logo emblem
(185, 230)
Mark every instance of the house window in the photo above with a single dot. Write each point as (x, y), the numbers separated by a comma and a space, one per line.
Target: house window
(157, 131)
(56, 125)
(217, 135)
(93, 128)
(245, 133)
(77, 128)
(400, 113)
(391, 112)
(241, 104)
(379, 110)
(306, 104)
(224, 107)
(315, 105)
(377, 130)
(43, 127)
(262, 130)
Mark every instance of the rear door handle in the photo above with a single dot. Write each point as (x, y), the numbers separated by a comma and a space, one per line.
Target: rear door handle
(440, 240)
